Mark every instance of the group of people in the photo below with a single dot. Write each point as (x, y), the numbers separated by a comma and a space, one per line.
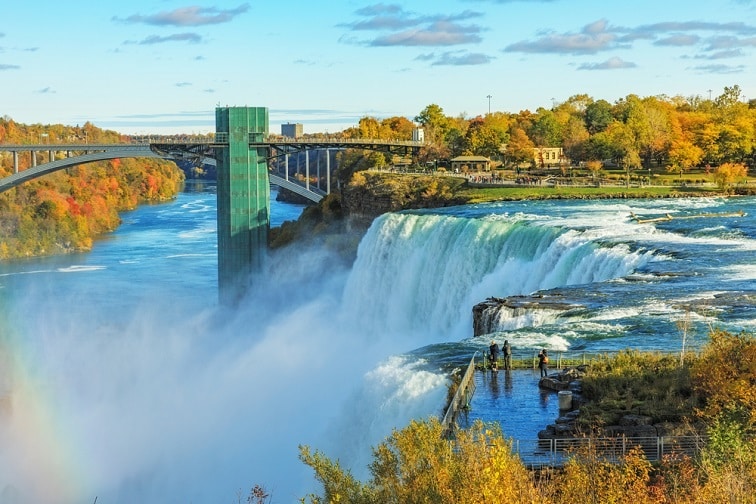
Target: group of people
(493, 354)
(506, 350)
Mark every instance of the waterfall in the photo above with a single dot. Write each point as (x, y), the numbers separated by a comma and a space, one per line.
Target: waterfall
(420, 275)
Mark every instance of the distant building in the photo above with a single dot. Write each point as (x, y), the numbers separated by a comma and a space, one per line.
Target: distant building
(467, 164)
(545, 157)
(292, 130)
(418, 135)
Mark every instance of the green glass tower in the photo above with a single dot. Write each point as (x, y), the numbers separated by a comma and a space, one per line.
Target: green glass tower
(243, 197)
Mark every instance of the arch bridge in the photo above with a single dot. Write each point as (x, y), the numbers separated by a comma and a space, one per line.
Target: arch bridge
(62, 156)
(242, 151)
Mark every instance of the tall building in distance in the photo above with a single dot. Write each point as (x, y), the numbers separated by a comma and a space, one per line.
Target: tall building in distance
(418, 135)
(292, 130)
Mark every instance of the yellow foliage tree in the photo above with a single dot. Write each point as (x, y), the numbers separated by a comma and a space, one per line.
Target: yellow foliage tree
(729, 173)
(417, 465)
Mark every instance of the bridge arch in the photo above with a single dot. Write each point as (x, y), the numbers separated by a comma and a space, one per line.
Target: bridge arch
(116, 151)
(61, 164)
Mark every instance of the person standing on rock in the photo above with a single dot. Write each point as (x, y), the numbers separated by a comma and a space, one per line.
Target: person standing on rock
(507, 351)
(543, 363)
(493, 353)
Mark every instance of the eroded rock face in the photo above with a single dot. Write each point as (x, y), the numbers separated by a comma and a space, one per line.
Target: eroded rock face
(497, 314)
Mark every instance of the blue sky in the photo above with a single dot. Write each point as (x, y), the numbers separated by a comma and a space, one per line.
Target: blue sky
(163, 66)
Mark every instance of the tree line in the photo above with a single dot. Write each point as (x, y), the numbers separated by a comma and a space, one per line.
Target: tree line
(633, 133)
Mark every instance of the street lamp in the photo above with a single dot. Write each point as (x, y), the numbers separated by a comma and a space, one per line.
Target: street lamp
(489, 104)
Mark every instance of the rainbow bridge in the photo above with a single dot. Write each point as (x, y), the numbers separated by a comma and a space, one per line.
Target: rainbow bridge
(243, 153)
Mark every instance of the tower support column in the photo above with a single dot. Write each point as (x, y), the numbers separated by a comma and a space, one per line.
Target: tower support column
(243, 198)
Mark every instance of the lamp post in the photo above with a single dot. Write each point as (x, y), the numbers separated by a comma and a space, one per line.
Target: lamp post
(489, 104)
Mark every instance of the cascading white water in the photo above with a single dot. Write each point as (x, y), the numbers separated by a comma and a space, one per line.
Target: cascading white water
(421, 274)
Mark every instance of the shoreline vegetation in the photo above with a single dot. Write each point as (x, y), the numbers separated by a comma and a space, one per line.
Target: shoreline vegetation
(64, 212)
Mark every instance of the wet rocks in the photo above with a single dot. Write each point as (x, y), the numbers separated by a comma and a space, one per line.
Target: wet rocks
(489, 315)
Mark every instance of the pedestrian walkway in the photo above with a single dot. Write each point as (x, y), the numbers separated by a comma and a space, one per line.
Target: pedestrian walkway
(514, 400)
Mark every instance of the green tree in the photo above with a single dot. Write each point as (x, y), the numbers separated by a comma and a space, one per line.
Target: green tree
(624, 147)
(434, 122)
(598, 116)
(545, 130)
(576, 140)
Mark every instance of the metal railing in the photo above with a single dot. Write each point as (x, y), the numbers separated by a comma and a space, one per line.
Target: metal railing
(555, 452)
(561, 360)
(462, 396)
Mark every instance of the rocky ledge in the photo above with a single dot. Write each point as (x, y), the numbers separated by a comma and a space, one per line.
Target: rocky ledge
(487, 315)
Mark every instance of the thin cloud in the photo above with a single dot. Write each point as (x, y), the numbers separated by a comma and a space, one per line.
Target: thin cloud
(729, 42)
(8, 67)
(188, 16)
(719, 69)
(593, 38)
(600, 36)
(512, 1)
(405, 28)
(732, 53)
(655, 29)
(45, 90)
(678, 40)
(610, 64)
(462, 59)
(183, 84)
(441, 33)
(192, 38)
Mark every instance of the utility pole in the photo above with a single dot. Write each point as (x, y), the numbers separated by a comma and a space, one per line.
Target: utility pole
(489, 104)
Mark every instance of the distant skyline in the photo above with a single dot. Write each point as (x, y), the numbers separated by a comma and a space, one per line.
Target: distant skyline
(162, 66)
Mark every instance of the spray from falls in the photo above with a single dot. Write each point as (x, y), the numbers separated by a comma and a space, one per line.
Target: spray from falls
(159, 401)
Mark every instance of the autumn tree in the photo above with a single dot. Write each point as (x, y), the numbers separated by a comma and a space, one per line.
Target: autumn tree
(398, 128)
(483, 140)
(729, 173)
(683, 155)
(575, 140)
(520, 147)
(419, 465)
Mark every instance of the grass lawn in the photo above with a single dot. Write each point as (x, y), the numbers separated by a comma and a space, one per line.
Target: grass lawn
(485, 194)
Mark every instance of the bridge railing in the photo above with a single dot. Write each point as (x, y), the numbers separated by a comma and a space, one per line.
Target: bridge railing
(330, 140)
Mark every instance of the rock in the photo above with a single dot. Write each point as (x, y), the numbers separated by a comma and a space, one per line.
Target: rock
(630, 431)
(487, 314)
(634, 420)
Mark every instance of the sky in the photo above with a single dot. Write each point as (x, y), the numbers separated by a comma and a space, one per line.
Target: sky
(162, 66)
